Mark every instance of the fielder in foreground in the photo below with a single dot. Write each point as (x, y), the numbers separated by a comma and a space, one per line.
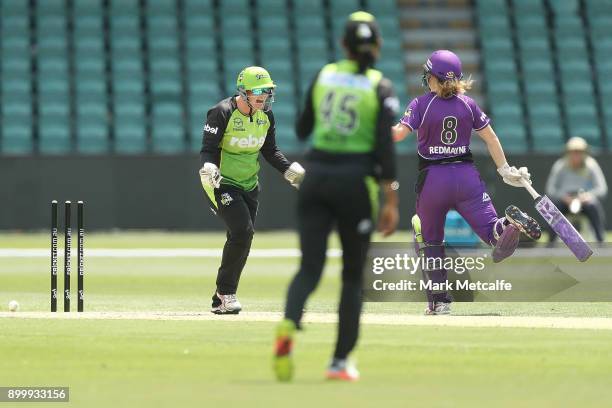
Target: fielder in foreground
(444, 118)
(237, 129)
(349, 110)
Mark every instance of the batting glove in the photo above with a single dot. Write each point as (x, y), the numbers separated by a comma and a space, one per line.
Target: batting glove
(513, 176)
(295, 174)
(210, 175)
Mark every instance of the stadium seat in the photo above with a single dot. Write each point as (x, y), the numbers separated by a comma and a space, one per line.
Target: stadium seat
(547, 137)
(168, 133)
(565, 7)
(129, 128)
(495, 26)
(528, 7)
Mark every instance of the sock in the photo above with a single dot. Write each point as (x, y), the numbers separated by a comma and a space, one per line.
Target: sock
(499, 227)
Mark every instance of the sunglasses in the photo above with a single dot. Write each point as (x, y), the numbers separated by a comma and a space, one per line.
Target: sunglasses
(262, 91)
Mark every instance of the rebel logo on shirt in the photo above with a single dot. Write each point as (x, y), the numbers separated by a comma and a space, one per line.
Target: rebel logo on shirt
(211, 129)
(246, 142)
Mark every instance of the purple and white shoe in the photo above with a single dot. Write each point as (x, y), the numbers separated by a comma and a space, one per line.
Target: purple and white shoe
(438, 308)
(523, 222)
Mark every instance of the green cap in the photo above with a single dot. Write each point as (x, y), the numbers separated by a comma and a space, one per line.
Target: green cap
(254, 78)
(361, 16)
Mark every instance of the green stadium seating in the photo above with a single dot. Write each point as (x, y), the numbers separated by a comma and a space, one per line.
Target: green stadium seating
(528, 7)
(91, 128)
(120, 8)
(547, 137)
(308, 8)
(12, 8)
(273, 27)
(125, 28)
(276, 56)
(104, 65)
(87, 8)
(565, 7)
(229, 7)
(15, 28)
(90, 85)
(339, 11)
(15, 118)
(198, 7)
(168, 133)
(201, 64)
(51, 8)
(495, 26)
(129, 130)
(89, 26)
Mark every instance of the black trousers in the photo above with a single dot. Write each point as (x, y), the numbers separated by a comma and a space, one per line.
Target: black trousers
(592, 211)
(326, 200)
(238, 209)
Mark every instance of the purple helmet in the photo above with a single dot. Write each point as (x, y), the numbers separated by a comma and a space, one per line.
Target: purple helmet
(444, 65)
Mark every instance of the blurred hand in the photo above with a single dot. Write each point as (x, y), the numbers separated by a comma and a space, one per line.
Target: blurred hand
(585, 198)
(399, 132)
(388, 219)
(567, 199)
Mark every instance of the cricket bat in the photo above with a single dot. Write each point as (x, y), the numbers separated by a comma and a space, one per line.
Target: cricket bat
(560, 224)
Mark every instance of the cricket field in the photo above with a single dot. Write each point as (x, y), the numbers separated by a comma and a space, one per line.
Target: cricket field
(147, 338)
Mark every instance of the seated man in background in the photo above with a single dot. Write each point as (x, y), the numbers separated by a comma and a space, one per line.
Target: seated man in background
(576, 185)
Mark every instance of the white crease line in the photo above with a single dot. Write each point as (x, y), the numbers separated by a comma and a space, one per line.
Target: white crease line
(541, 322)
(156, 253)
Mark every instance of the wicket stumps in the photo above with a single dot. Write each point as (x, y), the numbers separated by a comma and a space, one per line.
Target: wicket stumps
(80, 247)
(67, 255)
(54, 256)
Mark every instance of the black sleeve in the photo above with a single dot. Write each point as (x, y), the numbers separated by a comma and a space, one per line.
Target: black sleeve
(305, 120)
(270, 150)
(384, 153)
(212, 133)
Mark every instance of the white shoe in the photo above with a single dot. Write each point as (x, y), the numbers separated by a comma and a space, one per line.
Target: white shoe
(226, 304)
(343, 370)
(440, 308)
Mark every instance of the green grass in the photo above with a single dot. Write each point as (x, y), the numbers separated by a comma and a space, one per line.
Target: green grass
(158, 364)
(137, 363)
(164, 239)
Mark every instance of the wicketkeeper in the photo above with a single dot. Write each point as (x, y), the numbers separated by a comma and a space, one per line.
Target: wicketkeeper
(237, 129)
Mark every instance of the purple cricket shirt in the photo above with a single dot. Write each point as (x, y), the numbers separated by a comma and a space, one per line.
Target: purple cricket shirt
(444, 126)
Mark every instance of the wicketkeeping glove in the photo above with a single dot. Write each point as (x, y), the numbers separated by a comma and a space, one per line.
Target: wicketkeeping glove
(513, 176)
(295, 174)
(210, 175)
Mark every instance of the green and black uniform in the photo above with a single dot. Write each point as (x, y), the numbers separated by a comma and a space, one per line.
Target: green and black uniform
(233, 141)
(349, 115)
